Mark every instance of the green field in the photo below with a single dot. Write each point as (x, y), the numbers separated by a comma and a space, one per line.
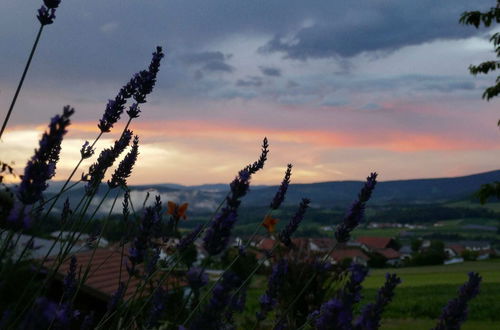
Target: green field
(425, 290)
(422, 295)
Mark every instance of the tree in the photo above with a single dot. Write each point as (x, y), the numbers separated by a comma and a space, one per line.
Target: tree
(477, 19)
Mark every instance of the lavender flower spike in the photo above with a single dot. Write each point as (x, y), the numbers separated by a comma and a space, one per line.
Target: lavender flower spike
(356, 213)
(269, 299)
(455, 313)
(197, 278)
(187, 240)
(105, 160)
(42, 165)
(52, 4)
(259, 164)
(69, 282)
(146, 79)
(280, 194)
(119, 178)
(337, 313)
(291, 227)
(372, 313)
(46, 15)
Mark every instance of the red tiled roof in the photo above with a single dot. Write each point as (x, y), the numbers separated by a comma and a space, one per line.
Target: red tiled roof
(102, 280)
(458, 248)
(389, 253)
(341, 254)
(374, 242)
(266, 244)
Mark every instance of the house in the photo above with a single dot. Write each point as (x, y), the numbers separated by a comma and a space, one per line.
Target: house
(356, 255)
(372, 242)
(384, 246)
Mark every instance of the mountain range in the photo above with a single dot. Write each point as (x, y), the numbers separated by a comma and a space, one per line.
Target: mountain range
(323, 194)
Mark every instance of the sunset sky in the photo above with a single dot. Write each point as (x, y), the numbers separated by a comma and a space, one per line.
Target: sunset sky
(340, 88)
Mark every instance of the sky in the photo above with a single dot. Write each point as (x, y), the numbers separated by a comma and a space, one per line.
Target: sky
(340, 88)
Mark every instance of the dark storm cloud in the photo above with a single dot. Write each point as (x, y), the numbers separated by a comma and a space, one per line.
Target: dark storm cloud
(107, 41)
(382, 26)
(270, 71)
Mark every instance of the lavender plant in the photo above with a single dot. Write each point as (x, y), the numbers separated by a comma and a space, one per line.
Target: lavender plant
(174, 292)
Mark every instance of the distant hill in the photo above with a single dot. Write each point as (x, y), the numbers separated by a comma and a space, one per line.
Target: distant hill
(323, 194)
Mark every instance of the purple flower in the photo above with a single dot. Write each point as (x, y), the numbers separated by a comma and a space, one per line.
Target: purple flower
(66, 212)
(88, 321)
(157, 307)
(52, 4)
(42, 165)
(269, 299)
(337, 312)
(46, 16)
(455, 312)
(356, 212)
(259, 164)
(86, 151)
(189, 239)
(19, 217)
(69, 282)
(47, 313)
(105, 160)
(119, 178)
(372, 313)
(280, 194)
(146, 79)
(134, 111)
(149, 228)
(217, 236)
(285, 235)
(197, 278)
(211, 316)
(126, 211)
(116, 298)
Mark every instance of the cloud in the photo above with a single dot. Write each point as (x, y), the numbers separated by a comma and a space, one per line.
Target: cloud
(208, 61)
(250, 82)
(377, 28)
(270, 71)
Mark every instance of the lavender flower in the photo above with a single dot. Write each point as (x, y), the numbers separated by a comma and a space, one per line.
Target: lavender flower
(455, 312)
(337, 312)
(86, 151)
(69, 282)
(119, 178)
(259, 164)
(157, 308)
(280, 194)
(211, 316)
(371, 313)
(126, 211)
(105, 160)
(269, 299)
(134, 111)
(116, 298)
(187, 240)
(197, 278)
(356, 212)
(146, 79)
(42, 165)
(66, 212)
(149, 228)
(285, 235)
(46, 313)
(52, 4)
(88, 321)
(217, 236)
(46, 16)
(19, 216)
(152, 262)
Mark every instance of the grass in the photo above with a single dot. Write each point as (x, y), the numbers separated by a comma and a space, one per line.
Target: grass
(423, 293)
(426, 290)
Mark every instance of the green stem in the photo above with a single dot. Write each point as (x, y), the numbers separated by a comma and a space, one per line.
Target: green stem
(20, 85)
